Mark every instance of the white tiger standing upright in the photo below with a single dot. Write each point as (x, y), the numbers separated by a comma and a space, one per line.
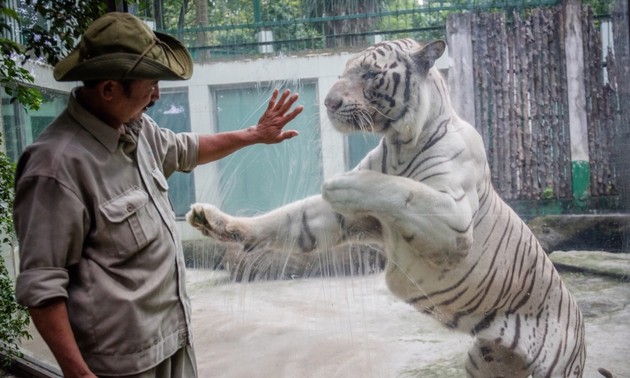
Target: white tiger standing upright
(454, 249)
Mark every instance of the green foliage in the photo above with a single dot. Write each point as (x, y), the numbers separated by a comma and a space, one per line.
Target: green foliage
(548, 193)
(52, 28)
(7, 171)
(296, 30)
(12, 75)
(600, 7)
(14, 319)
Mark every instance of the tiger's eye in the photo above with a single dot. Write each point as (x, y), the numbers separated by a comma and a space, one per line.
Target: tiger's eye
(370, 75)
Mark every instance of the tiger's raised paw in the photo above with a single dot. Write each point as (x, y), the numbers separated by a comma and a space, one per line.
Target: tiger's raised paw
(214, 223)
(352, 192)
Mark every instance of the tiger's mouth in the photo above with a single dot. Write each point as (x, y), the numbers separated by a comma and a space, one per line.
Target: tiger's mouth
(349, 112)
(353, 118)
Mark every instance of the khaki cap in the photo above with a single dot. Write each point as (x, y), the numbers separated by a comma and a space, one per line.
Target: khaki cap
(120, 46)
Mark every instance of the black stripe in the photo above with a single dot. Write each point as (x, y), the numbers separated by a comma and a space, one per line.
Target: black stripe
(446, 160)
(439, 133)
(306, 241)
(407, 93)
(517, 335)
(443, 291)
(385, 153)
(485, 323)
(396, 79)
(512, 309)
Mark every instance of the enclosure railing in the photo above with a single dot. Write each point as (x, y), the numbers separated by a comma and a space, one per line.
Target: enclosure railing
(290, 27)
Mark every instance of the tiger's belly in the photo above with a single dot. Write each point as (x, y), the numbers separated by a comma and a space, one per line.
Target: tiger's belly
(434, 292)
(511, 275)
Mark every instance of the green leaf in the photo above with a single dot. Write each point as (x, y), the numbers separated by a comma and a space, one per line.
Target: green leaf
(11, 13)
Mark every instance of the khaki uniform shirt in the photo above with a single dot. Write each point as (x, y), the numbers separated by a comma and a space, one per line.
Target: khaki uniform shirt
(95, 226)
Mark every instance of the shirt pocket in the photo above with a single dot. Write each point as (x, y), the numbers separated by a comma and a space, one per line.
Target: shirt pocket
(160, 180)
(129, 221)
(162, 185)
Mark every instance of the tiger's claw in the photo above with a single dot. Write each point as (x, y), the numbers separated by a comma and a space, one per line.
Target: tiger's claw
(213, 223)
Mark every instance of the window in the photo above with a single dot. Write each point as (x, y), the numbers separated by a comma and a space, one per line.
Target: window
(22, 127)
(359, 144)
(172, 112)
(260, 178)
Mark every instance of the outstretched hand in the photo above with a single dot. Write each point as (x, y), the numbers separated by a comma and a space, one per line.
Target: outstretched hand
(269, 129)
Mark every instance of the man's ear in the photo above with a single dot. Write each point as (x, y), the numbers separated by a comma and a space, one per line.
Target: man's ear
(108, 89)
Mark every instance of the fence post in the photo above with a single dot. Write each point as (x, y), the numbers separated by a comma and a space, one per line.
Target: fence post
(621, 31)
(460, 71)
(580, 166)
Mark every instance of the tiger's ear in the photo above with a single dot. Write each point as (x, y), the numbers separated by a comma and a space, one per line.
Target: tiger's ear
(428, 54)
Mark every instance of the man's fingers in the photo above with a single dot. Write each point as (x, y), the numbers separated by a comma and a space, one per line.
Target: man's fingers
(289, 117)
(290, 103)
(281, 103)
(288, 134)
(272, 101)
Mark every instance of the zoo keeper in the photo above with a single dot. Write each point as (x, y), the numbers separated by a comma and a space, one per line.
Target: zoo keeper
(101, 264)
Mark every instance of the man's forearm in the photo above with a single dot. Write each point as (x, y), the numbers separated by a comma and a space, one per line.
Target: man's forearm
(213, 147)
(52, 323)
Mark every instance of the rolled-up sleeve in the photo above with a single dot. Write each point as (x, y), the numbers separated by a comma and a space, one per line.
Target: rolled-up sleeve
(177, 151)
(50, 223)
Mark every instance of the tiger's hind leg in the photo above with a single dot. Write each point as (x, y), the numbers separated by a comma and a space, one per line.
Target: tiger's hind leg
(487, 359)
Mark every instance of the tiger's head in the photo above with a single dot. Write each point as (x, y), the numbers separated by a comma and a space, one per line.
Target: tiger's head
(382, 88)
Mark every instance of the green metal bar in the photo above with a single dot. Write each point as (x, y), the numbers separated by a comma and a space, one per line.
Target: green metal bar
(290, 41)
(257, 17)
(581, 173)
(403, 12)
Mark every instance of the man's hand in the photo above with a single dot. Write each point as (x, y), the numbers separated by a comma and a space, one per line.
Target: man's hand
(269, 129)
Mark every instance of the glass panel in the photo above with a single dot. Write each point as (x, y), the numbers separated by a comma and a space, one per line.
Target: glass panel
(21, 127)
(359, 145)
(172, 112)
(263, 177)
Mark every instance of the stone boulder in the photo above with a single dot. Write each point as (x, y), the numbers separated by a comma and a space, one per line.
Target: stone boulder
(604, 232)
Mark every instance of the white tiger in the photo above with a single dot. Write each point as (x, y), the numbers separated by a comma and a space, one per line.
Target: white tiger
(454, 249)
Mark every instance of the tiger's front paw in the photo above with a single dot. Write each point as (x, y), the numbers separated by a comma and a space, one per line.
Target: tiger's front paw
(214, 223)
(348, 192)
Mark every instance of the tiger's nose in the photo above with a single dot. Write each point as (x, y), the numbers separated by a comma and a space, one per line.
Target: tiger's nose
(332, 103)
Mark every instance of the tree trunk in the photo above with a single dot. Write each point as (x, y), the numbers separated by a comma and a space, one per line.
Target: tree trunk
(158, 15)
(621, 32)
(201, 14)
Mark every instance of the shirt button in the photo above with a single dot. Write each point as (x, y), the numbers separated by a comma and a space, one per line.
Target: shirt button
(129, 208)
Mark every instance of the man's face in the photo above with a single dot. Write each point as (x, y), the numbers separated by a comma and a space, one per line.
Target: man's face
(140, 95)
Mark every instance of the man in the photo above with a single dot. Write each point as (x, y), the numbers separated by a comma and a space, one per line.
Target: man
(102, 268)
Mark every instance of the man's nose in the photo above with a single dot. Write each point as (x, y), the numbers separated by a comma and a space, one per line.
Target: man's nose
(155, 94)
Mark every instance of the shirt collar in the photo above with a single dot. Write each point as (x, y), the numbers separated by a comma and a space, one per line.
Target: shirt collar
(105, 134)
